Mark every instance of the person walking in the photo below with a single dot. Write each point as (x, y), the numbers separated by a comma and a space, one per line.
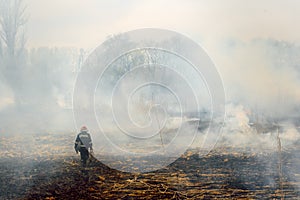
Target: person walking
(83, 143)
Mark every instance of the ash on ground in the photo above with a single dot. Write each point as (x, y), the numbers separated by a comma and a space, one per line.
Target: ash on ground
(50, 169)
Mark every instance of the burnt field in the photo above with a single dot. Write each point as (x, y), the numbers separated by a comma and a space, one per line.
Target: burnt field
(54, 172)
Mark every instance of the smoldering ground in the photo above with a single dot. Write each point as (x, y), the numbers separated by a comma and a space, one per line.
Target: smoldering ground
(261, 81)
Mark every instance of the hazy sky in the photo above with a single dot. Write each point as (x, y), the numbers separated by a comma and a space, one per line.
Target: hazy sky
(212, 23)
(87, 23)
(249, 69)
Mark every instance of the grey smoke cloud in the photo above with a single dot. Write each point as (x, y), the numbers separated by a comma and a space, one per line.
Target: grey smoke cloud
(261, 74)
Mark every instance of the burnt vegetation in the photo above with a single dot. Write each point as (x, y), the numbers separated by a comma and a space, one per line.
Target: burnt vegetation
(223, 173)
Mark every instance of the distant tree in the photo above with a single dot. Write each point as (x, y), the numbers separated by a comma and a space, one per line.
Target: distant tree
(12, 41)
(12, 20)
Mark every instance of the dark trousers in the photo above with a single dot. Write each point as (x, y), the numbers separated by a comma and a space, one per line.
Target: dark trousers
(84, 154)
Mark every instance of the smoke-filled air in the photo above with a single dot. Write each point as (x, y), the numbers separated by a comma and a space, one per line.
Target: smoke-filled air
(202, 89)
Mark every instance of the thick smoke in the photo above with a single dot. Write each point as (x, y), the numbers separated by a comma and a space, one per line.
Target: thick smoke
(261, 81)
(239, 133)
(41, 99)
(262, 75)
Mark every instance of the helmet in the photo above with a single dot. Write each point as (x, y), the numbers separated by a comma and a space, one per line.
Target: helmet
(83, 128)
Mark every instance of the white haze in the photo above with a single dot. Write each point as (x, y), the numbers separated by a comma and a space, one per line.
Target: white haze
(261, 76)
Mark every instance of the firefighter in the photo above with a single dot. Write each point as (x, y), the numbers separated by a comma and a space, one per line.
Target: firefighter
(83, 143)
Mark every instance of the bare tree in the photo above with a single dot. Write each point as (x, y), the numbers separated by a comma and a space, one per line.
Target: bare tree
(12, 40)
(12, 21)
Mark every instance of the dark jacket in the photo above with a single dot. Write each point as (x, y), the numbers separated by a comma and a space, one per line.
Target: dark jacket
(83, 140)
